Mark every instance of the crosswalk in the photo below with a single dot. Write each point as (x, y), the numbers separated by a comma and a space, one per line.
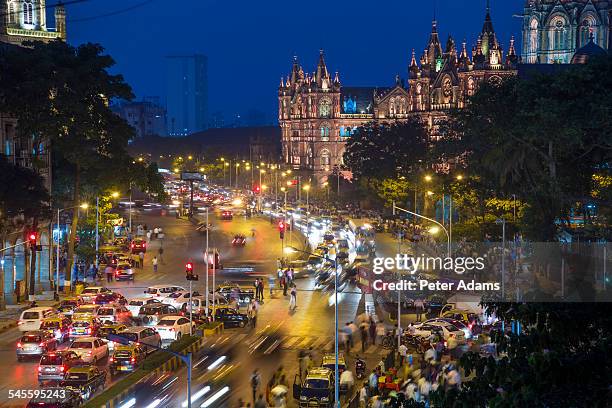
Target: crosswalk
(293, 342)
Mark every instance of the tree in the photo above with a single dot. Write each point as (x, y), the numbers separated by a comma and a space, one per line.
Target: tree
(379, 151)
(561, 359)
(541, 139)
(60, 93)
(27, 197)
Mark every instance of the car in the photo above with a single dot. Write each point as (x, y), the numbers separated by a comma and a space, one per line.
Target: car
(109, 298)
(90, 293)
(161, 291)
(199, 305)
(84, 327)
(466, 329)
(124, 271)
(465, 316)
(329, 361)
(89, 310)
(230, 317)
(32, 318)
(443, 329)
(227, 215)
(114, 313)
(172, 328)
(35, 343)
(126, 358)
(239, 240)
(84, 380)
(110, 328)
(134, 304)
(138, 245)
(56, 398)
(178, 299)
(245, 293)
(121, 242)
(89, 349)
(300, 268)
(59, 326)
(53, 365)
(317, 389)
(67, 309)
(146, 336)
(149, 315)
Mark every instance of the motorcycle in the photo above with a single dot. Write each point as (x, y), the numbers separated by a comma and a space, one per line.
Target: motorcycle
(360, 368)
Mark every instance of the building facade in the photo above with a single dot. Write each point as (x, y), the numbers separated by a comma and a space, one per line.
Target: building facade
(187, 94)
(553, 30)
(22, 21)
(146, 117)
(317, 113)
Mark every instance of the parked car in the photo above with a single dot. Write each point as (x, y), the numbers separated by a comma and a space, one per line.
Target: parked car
(89, 349)
(135, 304)
(54, 365)
(173, 327)
(32, 318)
(35, 344)
(149, 315)
(444, 329)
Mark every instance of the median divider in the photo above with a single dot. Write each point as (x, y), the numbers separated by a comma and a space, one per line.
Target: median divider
(157, 363)
(210, 329)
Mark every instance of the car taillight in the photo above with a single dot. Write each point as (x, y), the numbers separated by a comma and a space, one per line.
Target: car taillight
(111, 359)
(89, 353)
(62, 368)
(172, 329)
(20, 322)
(41, 344)
(132, 245)
(132, 359)
(39, 368)
(89, 330)
(18, 345)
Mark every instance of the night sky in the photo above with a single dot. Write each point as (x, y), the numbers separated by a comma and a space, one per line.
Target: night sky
(250, 44)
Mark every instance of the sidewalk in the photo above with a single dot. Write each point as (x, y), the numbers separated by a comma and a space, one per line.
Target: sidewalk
(9, 316)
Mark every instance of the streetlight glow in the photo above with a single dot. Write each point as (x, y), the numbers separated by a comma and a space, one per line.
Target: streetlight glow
(84, 206)
(434, 230)
(428, 178)
(306, 187)
(430, 193)
(283, 189)
(460, 177)
(115, 194)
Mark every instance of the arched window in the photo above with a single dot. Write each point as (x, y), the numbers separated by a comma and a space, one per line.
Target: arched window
(392, 106)
(10, 18)
(558, 33)
(325, 132)
(325, 108)
(28, 13)
(533, 36)
(587, 27)
(325, 159)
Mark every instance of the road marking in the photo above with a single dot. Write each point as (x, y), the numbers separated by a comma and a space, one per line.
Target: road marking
(288, 343)
(304, 344)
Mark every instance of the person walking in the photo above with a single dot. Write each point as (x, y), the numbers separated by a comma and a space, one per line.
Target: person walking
(256, 286)
(154, 261)
(109, 273)
(363, 395)
(380, 332)
(141, 259)
(419, 308)
(160, 252)
(148, 236)
(260, 403)
(155, 232)
(293, 298)
(364, 337)
(372, 331)
(261, 289)
(255, 381)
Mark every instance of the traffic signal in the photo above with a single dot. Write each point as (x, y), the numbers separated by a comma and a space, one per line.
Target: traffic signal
(189, 271)
(32, 238)
(281, 229)
(294, 182)
(257, 189)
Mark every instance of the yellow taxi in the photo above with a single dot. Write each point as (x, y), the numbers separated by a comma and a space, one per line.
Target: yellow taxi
(59, 326)
(84, 327)
(110, 328)
(85, 380)
(126, 358)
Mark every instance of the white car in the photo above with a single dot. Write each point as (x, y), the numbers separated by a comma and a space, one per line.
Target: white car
(178, 299)
(32, 318)
(162, 291)
(444, 328)
(90, 349)
(90, 293)
(114, 314)
(85, 311)
(135, 304)
(199, 304)
(172, 327)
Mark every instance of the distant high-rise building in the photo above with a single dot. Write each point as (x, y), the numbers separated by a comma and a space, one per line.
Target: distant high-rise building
(186, 94)
(146, 117)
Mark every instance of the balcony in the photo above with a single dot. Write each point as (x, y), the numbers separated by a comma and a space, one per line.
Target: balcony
(33, 33)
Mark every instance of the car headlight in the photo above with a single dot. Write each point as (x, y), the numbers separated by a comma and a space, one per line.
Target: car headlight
(304, 398)
(324, 398)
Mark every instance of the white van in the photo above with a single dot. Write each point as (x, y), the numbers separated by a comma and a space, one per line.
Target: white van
(161, 291)
(31, 319)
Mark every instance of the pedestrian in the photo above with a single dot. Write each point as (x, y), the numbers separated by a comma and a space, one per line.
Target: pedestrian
(284, 284)
(255, 381)
(109, 273)
(141, 259)
(154, 262)
(160, 251)
(372, 331)
(419, 307)
(256, 286)
(293, 298)
(155, 232)
(363, 395)
(373, 382)
(260, 403)
(261, 289)
(354, 330)
(403, 353)
(364, 338)
(380, 332)
(148, 236)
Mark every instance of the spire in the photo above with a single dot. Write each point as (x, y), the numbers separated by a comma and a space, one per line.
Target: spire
(321, 69)
(413, 63)
(511, 58)
(282, 84)
(464, 59)
(336, 79)
(295, 70)
(478, 56)
(434, 48)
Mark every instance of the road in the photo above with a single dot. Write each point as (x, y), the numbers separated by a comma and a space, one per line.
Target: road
(310, 326)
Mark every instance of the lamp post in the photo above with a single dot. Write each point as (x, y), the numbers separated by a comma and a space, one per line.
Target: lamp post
(236, 181)
(307, 189)
(428, 219)
(290, 250)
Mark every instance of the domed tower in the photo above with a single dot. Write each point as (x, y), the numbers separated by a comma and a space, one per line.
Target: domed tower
(587, 52)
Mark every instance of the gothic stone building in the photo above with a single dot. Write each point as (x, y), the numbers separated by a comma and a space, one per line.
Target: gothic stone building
(317, 113)
(553, 30)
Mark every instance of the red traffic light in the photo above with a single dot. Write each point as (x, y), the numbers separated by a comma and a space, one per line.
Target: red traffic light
(32, 238)
(281, 225)
(294, 182)
(189, 266)
(256, 189)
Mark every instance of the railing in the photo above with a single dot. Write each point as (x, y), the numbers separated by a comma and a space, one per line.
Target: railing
(356, 116)
(32, 33)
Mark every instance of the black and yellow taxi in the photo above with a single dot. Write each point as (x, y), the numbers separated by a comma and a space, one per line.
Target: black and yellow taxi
(85, 380)
(59, 326)
(110, 328)
(84, 327)
(317, 389)
(126, 358)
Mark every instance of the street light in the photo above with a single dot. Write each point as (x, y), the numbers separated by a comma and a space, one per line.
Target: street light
(115, 194)
(291, 250)
(428, 178)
